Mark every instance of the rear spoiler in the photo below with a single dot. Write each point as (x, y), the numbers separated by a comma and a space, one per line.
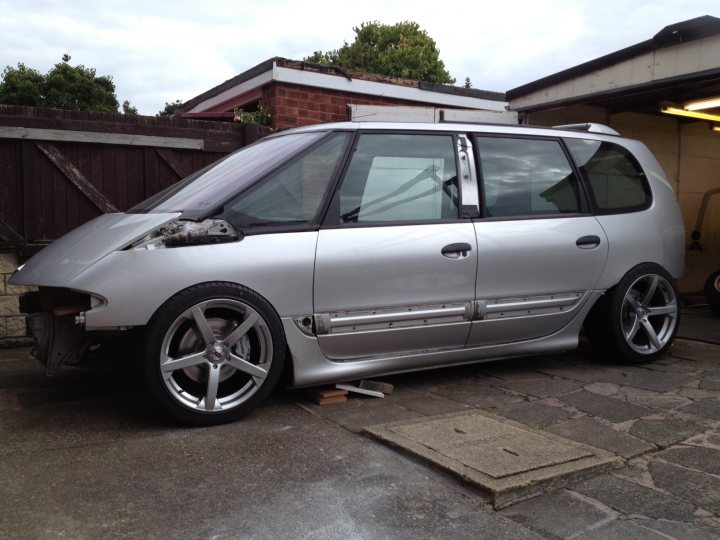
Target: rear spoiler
(589, 128)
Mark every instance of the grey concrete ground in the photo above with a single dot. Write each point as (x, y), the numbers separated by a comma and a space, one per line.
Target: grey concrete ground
(85, 456)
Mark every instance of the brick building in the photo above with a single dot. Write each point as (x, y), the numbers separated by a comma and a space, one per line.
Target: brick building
(298, 93)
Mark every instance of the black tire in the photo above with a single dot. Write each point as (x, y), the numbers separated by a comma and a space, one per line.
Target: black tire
(636, 321)
(189, 360)
(712, 292)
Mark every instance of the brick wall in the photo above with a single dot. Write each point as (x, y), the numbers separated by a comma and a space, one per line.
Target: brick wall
(12, 324)
(294, 105)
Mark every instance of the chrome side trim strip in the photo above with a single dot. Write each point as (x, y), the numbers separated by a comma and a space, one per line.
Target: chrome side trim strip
(359, 321)
(500, 308)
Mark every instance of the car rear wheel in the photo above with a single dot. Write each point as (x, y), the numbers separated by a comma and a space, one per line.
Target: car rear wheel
(213, 352)
(712, 292)
(637, 319)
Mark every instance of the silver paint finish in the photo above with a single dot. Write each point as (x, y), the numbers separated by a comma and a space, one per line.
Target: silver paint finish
(528, 258)
(79, 249)
(391, 267)
(313, 368)
(279, 267)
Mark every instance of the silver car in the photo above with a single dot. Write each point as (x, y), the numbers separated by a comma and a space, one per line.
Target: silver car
(336, 252)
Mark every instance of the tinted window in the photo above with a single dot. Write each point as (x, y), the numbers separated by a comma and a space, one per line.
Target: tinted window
(617, 182)
(526, 177)
(400, 178)
(293, 194)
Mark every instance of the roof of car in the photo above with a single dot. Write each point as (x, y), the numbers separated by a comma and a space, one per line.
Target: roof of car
(585, 131)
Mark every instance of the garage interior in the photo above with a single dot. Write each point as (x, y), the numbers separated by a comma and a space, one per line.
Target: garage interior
(665, 92)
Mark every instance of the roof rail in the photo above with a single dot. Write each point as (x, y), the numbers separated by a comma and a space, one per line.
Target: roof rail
(589, 127)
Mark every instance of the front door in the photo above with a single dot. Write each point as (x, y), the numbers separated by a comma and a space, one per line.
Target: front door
(395, 262)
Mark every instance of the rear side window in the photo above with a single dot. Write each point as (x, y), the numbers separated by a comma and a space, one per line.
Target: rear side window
(617, 182)
(526, 177)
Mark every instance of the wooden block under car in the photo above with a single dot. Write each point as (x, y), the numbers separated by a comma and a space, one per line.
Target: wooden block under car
(328, 396)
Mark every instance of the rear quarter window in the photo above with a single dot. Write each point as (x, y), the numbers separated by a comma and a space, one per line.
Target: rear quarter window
(615, 179)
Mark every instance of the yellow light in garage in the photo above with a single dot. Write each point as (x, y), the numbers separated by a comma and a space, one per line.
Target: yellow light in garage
(690, 114)
(700, 104)
(716, 127)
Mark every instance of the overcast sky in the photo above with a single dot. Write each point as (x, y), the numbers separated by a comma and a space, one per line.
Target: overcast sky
(159, 51)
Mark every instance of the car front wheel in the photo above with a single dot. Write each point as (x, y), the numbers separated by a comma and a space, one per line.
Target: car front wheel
(637, 319)
(213, 352)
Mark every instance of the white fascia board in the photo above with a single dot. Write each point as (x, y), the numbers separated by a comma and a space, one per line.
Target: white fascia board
(359, 86)
(243, 87)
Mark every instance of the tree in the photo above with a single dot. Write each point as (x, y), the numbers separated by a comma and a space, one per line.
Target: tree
(468, 83)
(21, 86)
(129, 109)
(170, 108)
(398, 50)
(63, 87)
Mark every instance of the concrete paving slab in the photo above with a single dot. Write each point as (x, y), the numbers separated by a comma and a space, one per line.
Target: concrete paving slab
(666, 431)
(653, 400)
(611, 409)
(591, 431)
(707, 408)
(693, 457)
(542, 514)
(649, 379)
(678, 530)
(631, 498)
(501, 457)
(687, 484)
(543, 388)
(623, 530)
(534, 414)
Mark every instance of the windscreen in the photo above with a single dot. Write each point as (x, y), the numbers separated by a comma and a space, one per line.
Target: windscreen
(212, 185)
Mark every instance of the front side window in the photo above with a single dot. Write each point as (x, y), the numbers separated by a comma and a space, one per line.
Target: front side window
(526, 177)
(396, 178)
(295, 193)
(617, 182)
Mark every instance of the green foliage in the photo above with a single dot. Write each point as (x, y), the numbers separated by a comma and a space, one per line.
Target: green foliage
(260, 116)
(468, 83)
(128, 109)
(398, 50)
(69, 87)
(21, 86)
(170, 108)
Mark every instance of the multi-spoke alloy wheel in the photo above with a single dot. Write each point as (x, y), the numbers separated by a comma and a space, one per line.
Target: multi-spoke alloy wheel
(649, 314)
(213, 353)
(637, 319)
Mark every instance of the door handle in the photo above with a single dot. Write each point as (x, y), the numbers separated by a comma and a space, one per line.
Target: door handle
(588, 242)
(456, 251)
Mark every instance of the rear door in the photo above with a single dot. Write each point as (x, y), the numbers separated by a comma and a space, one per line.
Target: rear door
(396, 261)
(540, 251)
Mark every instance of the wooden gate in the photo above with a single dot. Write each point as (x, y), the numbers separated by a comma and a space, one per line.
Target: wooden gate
(59, 169)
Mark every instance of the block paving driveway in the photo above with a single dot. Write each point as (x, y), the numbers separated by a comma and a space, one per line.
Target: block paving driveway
(86, 455)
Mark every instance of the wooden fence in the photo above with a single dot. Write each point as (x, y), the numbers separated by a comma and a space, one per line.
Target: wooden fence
(59, 169)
